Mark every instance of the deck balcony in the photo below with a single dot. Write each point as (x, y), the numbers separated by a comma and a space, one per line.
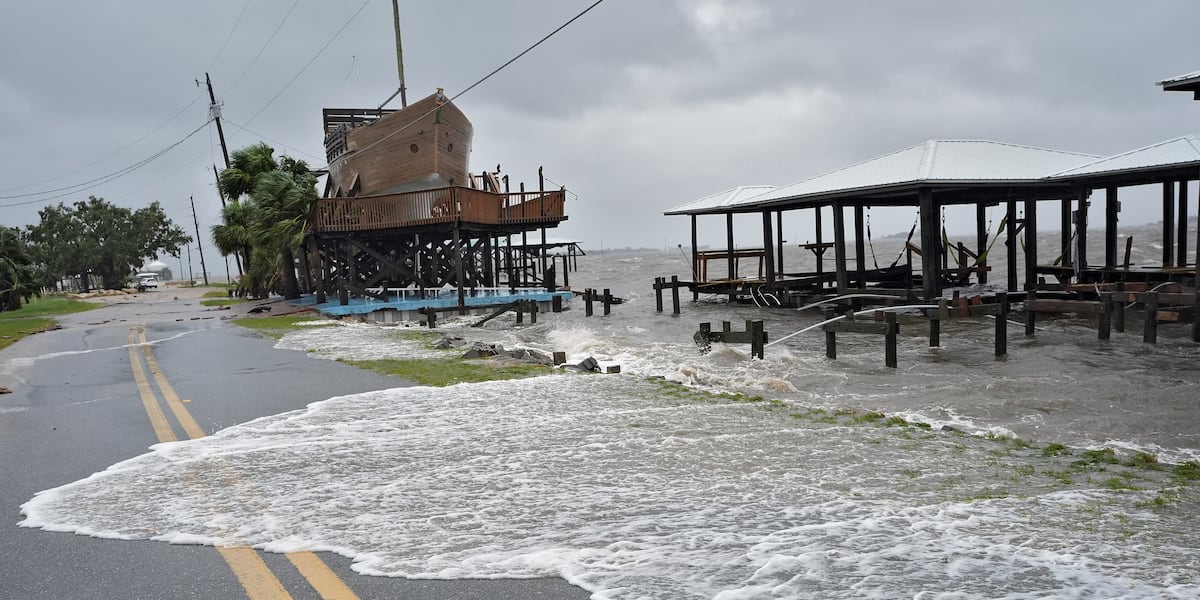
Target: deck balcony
(518, 211)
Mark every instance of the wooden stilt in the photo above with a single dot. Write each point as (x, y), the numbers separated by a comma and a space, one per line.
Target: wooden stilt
(1181, 220)
(1104, 324)
(675, 294)
(1117, 303)
(1002, 325)
(607, 302)
(658, 290)
(1168, 223)
(1030, 314)
(1150, 332)
(830, 337)
(893, 329)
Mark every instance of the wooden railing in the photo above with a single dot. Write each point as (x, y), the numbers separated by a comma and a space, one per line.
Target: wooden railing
(534, 207)
(441, 205)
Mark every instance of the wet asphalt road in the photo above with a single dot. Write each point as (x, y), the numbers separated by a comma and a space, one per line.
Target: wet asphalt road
(73, 413)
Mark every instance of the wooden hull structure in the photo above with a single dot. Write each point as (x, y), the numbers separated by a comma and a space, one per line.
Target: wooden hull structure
(402, 210)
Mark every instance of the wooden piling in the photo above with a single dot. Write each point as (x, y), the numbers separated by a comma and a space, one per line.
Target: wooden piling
(533, 312)
(607, 302)
(830, 337)
(1150, 332)
(935, 332)
(658, 288)
(556, 303)
(1030, 314)
(1104, 324)
(560, 358)
(1002, 324)
(1117, 307)
(1196, 310)
(520, 310)
(675, 294)
(757, 338)
(890, 339)
(587, 302)
(431, 319)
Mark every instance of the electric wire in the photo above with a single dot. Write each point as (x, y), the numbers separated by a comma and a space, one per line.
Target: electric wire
(230, 36)
(276, 142)
(309, 63)
(98, 160)
(451, 100)
(98, 181)
(263, 49)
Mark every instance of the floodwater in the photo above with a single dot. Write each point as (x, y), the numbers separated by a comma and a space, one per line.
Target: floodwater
(1059, 471)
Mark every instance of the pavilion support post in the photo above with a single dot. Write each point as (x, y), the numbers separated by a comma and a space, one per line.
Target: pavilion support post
(486, 261)
(1065, 212)
(930, 242)
(820, 233)
(768, 254)
(1081, 224)
(860, 247)
(981, 238)
(839, 248)
(1010, 211)
(779, 242)
(1031, 248)
(1181, 219)
(1111, 208)
(695, 263)
(732, 263)
(1168, 221)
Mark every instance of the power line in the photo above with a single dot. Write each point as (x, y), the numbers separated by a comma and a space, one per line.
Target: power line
(230, 36)
(484, 78)
(92, 183)
(309, 63)
(264, 46)
(276, 142)
(99, 160)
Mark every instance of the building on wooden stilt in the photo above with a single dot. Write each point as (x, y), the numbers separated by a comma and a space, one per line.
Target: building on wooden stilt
(404, 223)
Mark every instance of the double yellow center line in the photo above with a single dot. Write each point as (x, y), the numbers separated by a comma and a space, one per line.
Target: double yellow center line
(246, 563)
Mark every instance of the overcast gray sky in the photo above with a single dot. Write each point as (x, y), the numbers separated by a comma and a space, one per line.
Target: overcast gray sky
(638, 107)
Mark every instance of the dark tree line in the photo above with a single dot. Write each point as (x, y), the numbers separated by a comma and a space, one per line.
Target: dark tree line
(92, 240)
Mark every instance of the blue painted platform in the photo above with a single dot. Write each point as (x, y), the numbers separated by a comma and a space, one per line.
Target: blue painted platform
(408, 304)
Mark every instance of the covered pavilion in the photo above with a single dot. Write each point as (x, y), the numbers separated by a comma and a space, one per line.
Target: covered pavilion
(979, 173)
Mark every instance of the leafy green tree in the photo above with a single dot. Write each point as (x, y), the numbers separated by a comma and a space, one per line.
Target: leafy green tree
(101, 239)
(18, 275)
(272, 203)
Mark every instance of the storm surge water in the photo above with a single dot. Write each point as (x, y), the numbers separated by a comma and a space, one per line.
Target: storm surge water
(1063, 470)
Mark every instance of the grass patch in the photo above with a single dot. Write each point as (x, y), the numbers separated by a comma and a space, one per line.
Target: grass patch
(440, 372)
(275, 327)
(1055, 449)
(217, 293)
(36, 316)
(1186, 472)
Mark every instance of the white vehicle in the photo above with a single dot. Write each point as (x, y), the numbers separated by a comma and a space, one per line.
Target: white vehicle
(147, 281)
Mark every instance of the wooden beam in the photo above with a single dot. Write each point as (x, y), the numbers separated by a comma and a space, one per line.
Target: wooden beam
(860, 247)
(839, 248)
(779, 241)
(930, 241)
(1031, 248)
(981, 237)
(1181, 219)
(768, 255)
(1111, 208)
(1065, 232)
(695, 263)
(732, 263)
(1081, 223)
(1168, 221)
(1010, 211)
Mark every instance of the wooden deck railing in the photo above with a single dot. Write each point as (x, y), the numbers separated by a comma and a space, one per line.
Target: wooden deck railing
(441, 205)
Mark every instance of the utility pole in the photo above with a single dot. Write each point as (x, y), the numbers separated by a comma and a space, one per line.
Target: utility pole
(214, 110)
(199, 245)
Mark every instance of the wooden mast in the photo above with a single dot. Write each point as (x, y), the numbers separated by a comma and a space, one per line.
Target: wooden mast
(399, 53)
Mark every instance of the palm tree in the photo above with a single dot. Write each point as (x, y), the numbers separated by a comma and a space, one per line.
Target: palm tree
(274, 200)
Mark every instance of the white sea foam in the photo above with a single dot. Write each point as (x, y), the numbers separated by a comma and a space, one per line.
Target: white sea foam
(619, 486)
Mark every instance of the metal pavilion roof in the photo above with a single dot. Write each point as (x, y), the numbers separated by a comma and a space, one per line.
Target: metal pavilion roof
(933, 161)
(1179, 152)
(1183, 83)
(714, 203)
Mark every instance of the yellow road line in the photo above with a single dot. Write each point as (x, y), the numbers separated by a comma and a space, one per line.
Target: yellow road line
(190, 426)
(162, 429)
(254, 575)
(321, 577)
